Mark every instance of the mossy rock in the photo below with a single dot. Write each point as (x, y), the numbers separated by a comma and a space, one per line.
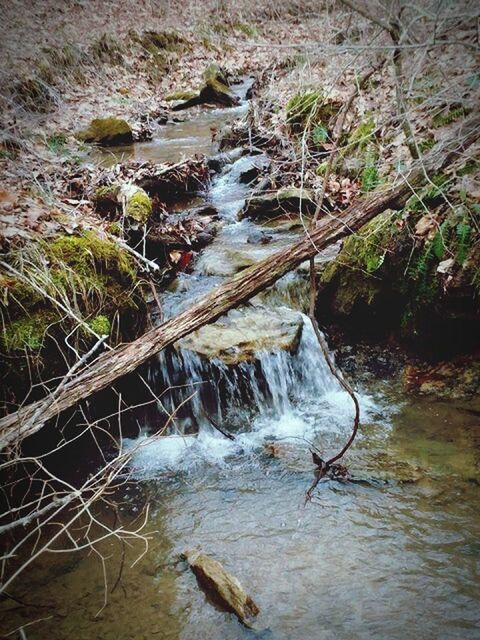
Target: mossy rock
(271, 205)
(181, 94)
(107, 132)
(310, 108)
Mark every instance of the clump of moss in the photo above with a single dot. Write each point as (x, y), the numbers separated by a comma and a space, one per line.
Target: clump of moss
(56, 142)
(139, 206)
(181, 94)
(100, 325)
(27, 332)
(93, 276)
(107, 131)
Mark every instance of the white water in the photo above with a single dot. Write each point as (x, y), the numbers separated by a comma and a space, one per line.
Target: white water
(286, 397)
(279, 396)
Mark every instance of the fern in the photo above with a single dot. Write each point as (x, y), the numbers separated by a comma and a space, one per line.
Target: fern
(464, 231)
(438, 243)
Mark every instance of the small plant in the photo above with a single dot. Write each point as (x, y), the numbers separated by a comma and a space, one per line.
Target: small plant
(319, 134)
(370, 178)
(56, 142)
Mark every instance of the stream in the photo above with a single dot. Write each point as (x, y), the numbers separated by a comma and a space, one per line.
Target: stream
(395, 555)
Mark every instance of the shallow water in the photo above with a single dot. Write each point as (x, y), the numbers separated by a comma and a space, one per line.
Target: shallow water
(395, 554)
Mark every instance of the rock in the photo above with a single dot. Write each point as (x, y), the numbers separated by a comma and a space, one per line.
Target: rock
(107, 132)
(215, 90)
(217, 162)
(181, 95)
(458, 378)
(286, 200)
(204, 209)
(242, 334)
(258, 237)
(222, 587)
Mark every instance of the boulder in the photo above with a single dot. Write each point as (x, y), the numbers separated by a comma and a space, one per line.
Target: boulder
(215, 90)
(107, 132)
(223, 588)
(242, 334)
(271, 205)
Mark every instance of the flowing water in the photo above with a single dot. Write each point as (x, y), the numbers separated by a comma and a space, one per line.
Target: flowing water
(394, 555)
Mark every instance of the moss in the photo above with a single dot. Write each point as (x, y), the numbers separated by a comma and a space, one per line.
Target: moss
(27, 332)
(92, 275)
(107, 131)
(83, 253)
(214, 73)
(362, 136)
(167, 40)
(181, 94)
(139, 206)
(100, 325)
(426, 144)
(56, 142)
(248, 29)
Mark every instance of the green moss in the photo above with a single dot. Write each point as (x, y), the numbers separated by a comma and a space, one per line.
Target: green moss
(362, 136)
(85, 252)
(100, 325)
(139, 206)
(181, 94)
(426, 144)
(27, 332)
(246, 28)
(107, 131)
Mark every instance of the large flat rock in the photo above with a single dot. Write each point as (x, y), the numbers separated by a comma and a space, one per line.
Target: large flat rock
(243, 333)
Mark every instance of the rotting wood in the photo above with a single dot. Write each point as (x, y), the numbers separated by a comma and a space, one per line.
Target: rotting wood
(331, 228)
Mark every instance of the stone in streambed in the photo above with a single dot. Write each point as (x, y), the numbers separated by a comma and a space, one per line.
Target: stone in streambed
(107, 132)
(286, 200)
(222, 587)
(243, 333)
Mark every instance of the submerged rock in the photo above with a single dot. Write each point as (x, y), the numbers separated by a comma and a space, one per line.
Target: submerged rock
(107, 132)
(286, 200)
(222, 587)
(242, 334)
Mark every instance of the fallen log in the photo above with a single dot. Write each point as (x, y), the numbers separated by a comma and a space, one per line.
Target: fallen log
(112, 365)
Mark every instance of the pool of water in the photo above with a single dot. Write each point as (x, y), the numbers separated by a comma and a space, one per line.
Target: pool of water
(392, 557)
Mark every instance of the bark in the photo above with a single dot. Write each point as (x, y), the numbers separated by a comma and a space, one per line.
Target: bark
(115, 364)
